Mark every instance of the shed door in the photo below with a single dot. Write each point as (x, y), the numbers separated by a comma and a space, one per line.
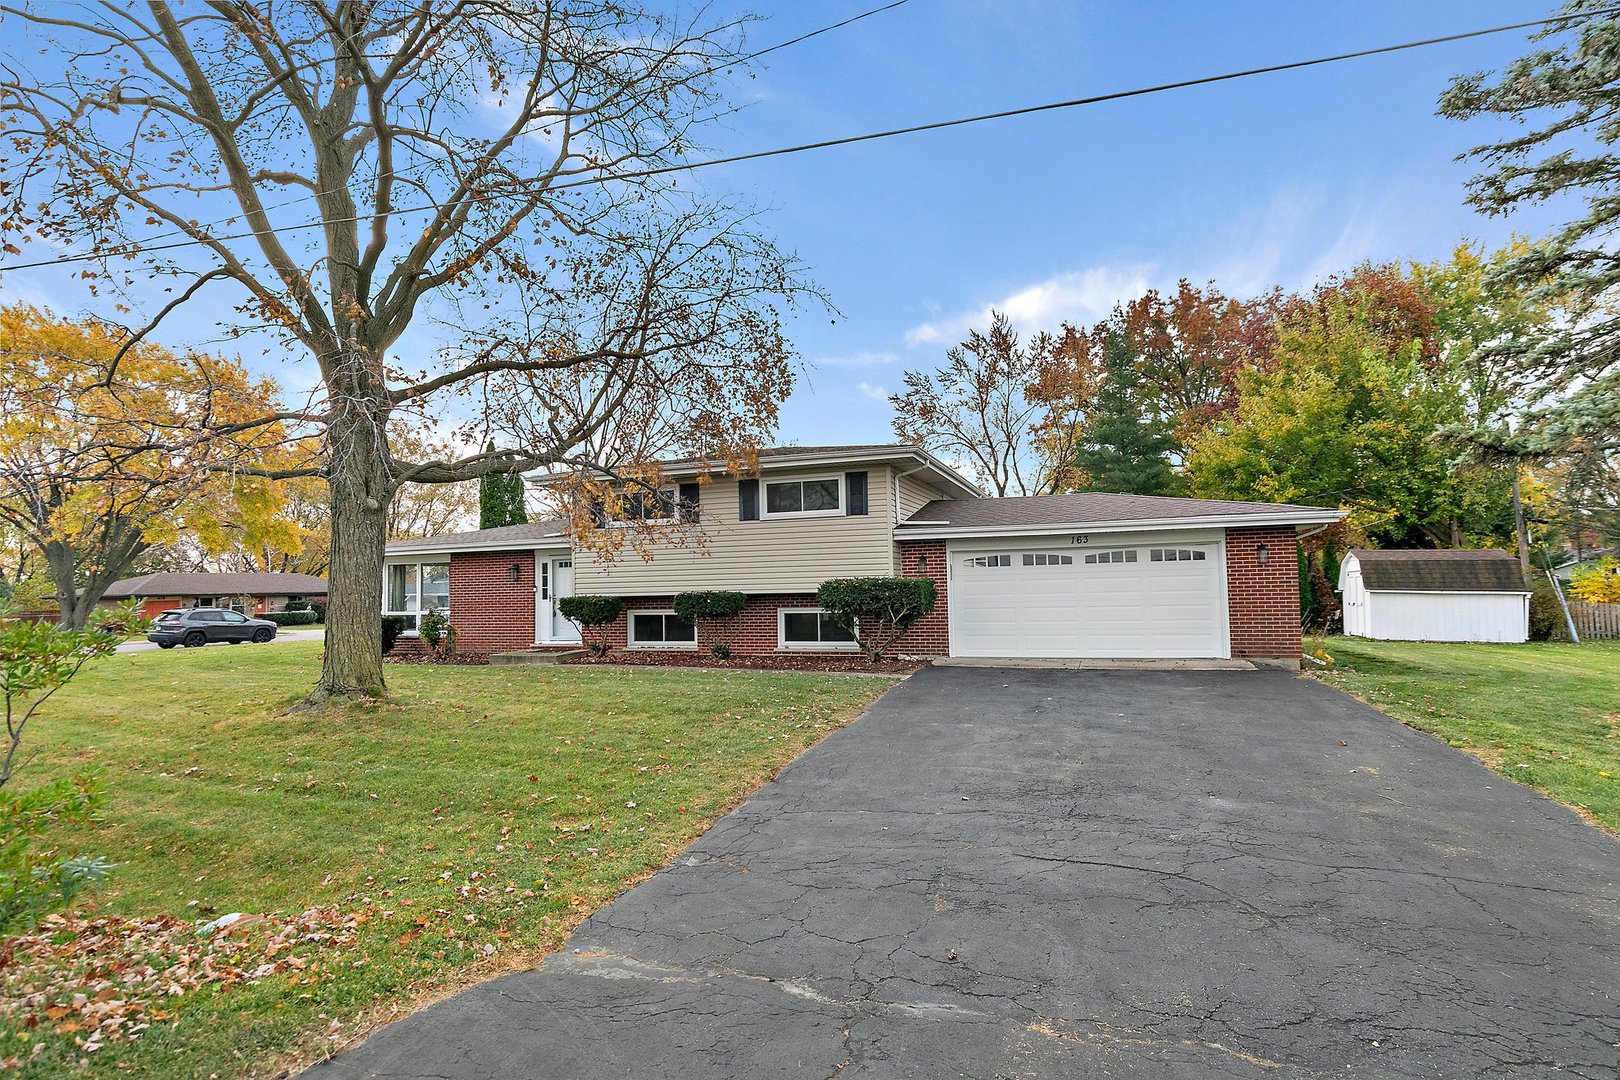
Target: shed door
(1147, 601)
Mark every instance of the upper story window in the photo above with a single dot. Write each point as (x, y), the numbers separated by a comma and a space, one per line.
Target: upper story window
(647, 507)
(821, 495)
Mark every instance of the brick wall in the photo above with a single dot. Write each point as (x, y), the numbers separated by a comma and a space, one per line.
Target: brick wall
(490, 611)
(930, 635)
(1263, 600)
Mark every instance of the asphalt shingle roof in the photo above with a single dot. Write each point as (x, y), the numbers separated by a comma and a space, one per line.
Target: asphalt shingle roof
(175, 583)
(533, 530)
(1084, 508)
(1388, 570)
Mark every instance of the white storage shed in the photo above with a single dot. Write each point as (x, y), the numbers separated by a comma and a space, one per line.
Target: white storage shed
(1434, 596)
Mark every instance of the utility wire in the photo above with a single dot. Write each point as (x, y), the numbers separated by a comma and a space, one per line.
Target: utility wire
(147, 243)
(890, 133)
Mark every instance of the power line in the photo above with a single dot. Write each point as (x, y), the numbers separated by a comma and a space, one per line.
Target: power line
(914, 129)
(146, 244)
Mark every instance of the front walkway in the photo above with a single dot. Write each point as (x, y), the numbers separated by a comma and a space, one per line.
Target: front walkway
(1000, 873)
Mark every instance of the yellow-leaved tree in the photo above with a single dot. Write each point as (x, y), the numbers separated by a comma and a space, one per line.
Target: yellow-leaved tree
(1597, 584)
(96, 470)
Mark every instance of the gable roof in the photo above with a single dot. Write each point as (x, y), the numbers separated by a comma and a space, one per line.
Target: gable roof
(173, 583)
(1094, 509)
(531, 534)
(908, 457)
(1486, 570)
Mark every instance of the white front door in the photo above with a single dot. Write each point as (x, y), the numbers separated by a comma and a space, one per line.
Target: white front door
(556, 581)
(1145, 599)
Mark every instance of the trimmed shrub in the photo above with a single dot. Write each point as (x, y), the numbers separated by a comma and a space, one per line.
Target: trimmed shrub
(708, 612)
(693, 606)
(289, 618)
(591, 614)
(298, 605)
(877, 610)
(319, 608)
(392, 627)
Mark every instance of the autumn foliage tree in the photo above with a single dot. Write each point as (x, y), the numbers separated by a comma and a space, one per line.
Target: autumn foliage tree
(344, 172)
(991, 404)
(96, 468)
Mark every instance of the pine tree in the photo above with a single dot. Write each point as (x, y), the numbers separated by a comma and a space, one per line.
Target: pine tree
(500, 498)
(1124, 449)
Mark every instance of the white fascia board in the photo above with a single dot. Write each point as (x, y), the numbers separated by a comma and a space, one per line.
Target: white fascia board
(1449, 592)
(945, 529)
(543, 544)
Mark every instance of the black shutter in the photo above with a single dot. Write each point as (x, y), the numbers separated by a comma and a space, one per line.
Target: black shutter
(598, 513)
(855, 487)
(748, 500)
(690, 494)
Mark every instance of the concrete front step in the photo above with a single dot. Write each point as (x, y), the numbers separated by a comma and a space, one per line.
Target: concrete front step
(534, 656)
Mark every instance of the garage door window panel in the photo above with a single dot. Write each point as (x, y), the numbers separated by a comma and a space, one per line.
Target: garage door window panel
(1176, 555)
(1043, 558)
(988, 562)
(810, 628)
(1103, 558)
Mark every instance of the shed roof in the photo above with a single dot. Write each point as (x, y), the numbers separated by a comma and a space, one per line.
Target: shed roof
(174, 583)
(1486, 570)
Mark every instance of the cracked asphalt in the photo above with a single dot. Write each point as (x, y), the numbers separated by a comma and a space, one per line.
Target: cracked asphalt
(1015, 873)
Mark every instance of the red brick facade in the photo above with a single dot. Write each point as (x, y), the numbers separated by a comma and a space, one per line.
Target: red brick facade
(930, 635)
(1263, 600)
(490, 611)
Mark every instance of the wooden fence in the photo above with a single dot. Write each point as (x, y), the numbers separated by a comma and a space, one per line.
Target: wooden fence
(1595, 620)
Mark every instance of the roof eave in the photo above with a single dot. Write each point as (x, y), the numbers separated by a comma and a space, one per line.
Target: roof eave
(530, 544)
(927, 530)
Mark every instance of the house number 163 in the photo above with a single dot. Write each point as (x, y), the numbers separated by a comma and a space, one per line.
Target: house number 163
(1080, 538)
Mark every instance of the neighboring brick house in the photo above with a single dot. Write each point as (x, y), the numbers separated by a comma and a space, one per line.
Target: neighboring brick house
(1088, 575)
(251, 594)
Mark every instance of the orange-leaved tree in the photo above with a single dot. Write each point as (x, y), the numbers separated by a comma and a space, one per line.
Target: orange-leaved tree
(95, 475)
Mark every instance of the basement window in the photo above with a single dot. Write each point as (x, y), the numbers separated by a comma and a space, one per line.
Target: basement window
(810, 628)
(661, 630)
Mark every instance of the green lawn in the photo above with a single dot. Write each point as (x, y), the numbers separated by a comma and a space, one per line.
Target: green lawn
(471, 821)
(1546, 715)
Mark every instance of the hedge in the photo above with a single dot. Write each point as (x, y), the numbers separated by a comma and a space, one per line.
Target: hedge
(290, 618)
(693, 606)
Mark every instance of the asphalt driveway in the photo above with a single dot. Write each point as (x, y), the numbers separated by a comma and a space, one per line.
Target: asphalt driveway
(1001, 873)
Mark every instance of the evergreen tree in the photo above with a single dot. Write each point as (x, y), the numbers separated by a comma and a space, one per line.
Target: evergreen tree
(500, 499)
(1124, 448)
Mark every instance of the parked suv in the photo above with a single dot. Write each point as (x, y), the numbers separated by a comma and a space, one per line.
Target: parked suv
(192, 627)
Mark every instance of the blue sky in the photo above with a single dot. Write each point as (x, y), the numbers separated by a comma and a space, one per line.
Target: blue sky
(1279, 179)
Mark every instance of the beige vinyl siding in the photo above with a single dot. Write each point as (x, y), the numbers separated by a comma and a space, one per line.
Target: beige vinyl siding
(914, 495)
(772, 555)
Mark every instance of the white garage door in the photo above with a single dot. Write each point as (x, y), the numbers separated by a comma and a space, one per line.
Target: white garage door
(1148, 600)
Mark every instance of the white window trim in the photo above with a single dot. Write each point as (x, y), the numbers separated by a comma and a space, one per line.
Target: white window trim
(810, 646)
(765, 497)
(420, 610)
(630, 631)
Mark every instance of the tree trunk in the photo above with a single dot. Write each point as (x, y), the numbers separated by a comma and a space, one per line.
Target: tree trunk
(59, 558)
(361, 489)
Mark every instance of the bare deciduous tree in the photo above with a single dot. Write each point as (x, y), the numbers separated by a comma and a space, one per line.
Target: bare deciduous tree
(1007, 411)
(506, 167)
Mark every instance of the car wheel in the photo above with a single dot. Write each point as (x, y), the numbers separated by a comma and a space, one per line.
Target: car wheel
(194, 639)
(165, 644)
(262, 635)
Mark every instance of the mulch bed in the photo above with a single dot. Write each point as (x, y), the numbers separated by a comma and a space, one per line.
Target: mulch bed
(465, 659)
(774, 662)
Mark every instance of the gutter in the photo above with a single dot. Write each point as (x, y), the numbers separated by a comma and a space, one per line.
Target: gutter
(944, 530)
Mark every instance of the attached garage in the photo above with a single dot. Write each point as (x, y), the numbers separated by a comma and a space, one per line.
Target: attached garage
(1109, 576)
(1113, 597)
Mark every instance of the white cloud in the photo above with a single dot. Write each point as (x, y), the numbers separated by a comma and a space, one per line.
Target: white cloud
(859, 359)
(876, 393)
(1077, 296)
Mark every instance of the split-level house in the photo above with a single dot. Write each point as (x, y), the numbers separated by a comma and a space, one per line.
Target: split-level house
(1087, 575)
